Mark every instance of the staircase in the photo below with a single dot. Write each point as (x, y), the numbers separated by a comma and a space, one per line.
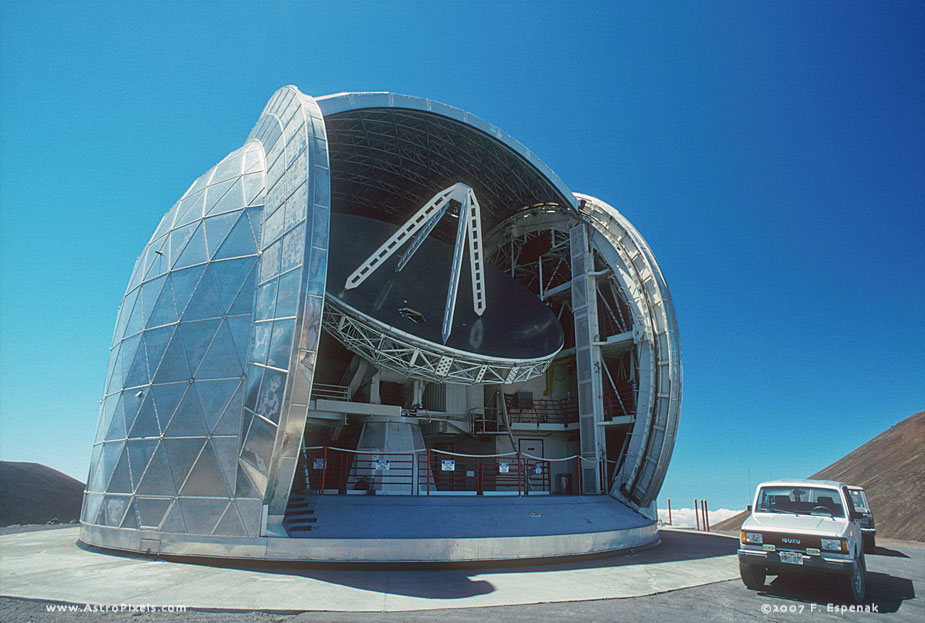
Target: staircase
(299, 519)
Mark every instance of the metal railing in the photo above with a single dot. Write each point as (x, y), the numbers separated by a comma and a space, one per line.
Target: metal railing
(435, 472)
(542, 411)
(330, 392)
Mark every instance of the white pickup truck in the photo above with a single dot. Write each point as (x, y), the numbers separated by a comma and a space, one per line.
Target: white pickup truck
(803, 526)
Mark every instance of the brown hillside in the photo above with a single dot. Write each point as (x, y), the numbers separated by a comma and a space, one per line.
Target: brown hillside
(891, 468)
(32, 493)
(732, 524)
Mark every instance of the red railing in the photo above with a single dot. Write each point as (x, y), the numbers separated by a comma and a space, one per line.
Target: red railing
(542, 411)
(619, 403)
(350, 470)
(515, 474)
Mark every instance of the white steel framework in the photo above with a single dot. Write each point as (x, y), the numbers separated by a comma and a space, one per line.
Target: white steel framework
(417, 358)
(417, 228)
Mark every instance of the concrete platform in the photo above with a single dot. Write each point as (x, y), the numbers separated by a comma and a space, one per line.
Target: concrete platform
(372, 528)
(468, 517)
(49, 565)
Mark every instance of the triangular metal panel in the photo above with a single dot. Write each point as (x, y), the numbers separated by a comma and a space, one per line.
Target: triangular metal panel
(125, 312)
(150, 291)
(107, 461)
(165, 310)
(184, 284)
(229, 168)
(121, 481)
(230, 524)
(131, 402)
(129, 346)
(166, 398)
(187, 420)
(174, 520)
(250, 511)
(196, 339)
(115, 378)
(107, 412)
(221, 361)
(214, 397)
(195, 250)
(93, 502)
(145, 423)
(194, 212)
(157, 479)
(156, 341)
(130, 520)
(255, 217)
(157, 259)
(115, 507)
(216, 229)
(226, 451)
(240, 330)
(231, 201)
(116, 428)
(178, 239)
(244, 303)
(139, 454)
(173, 366)
(182, 453)
(230, 422)
(151, 511)
(201, 514)
(230, 276)
(258, 479)
(205, 302)
(215, 192)
(239, 242)
(138, 372)
(205, 478)
(244, 488)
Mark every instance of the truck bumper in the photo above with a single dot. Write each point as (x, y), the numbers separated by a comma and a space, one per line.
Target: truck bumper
(771, 562)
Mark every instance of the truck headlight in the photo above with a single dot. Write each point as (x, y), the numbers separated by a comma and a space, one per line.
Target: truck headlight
(753, 538)
(835, 545)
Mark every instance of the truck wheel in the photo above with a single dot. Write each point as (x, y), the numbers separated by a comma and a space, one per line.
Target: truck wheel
(869, 542)
(752, 576)
(854, 585)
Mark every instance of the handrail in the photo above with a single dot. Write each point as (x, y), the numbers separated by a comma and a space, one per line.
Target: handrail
(425, 472)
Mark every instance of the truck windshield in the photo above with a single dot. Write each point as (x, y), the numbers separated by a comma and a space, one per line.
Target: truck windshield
(800, 501)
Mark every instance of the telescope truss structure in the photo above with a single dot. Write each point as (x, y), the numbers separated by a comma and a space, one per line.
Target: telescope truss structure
(420, 359)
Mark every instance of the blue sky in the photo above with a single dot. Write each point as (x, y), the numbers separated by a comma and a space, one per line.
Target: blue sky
(773, 155)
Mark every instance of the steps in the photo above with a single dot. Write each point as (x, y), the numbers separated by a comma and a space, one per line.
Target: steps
(300, 517)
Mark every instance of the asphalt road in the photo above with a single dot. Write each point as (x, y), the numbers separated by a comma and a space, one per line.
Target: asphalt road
(896, 579)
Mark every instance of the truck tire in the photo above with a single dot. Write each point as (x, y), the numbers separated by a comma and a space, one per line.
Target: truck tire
(869, 542)
(854, 585)
(752, 576)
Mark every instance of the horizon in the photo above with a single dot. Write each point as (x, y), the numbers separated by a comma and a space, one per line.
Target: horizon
(770, 155)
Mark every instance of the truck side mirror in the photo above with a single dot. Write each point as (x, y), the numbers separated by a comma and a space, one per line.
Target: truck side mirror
(749, 508)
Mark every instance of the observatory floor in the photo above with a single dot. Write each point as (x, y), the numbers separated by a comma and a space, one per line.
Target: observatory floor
(467, 517)
(49, 566)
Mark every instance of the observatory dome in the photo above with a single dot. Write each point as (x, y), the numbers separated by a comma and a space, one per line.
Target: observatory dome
(385, 296)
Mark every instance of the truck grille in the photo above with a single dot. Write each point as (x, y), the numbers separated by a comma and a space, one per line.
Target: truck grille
(792, 541)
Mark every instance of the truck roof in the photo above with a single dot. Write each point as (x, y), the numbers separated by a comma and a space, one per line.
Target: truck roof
(805, 482)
